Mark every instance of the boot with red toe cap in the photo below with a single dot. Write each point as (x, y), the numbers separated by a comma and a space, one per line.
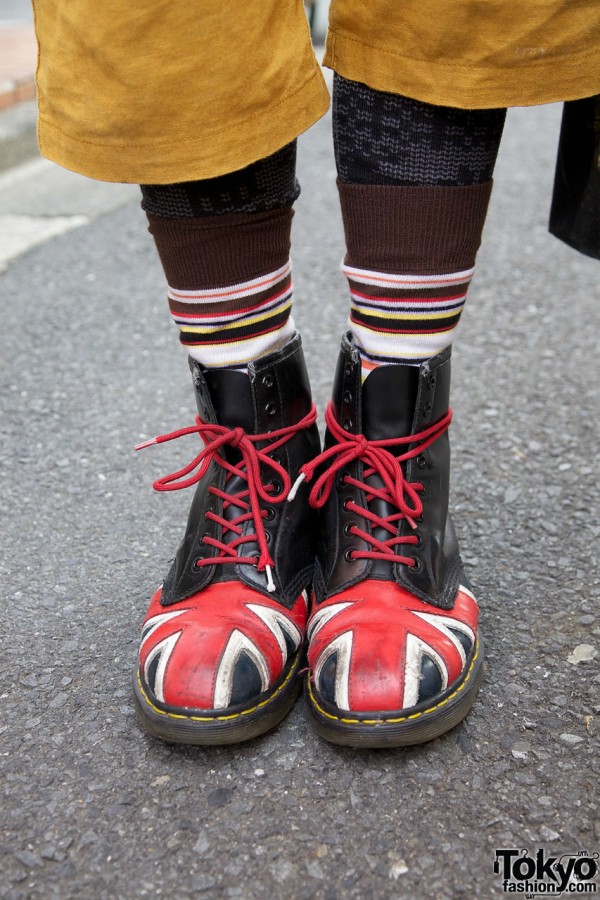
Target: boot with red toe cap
(394, 654)
(223, 639)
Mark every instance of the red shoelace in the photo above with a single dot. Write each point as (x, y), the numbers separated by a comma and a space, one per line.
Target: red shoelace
(215, 438)
(379, 459)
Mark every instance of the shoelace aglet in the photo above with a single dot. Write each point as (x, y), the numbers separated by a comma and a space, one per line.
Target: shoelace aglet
(270, 583)
(294, 488)
(145, 444)
(411, 522)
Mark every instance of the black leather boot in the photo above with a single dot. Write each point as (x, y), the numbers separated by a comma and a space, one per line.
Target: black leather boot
(393, 653)
(223, 638)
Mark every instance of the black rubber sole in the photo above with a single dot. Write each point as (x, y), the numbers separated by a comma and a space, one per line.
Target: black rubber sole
(208, 729)
(401, 729)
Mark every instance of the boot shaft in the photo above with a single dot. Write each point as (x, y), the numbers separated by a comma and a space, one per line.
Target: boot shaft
(275, 394)
(394, 402)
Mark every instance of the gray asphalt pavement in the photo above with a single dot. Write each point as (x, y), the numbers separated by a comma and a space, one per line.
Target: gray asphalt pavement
(91, 807)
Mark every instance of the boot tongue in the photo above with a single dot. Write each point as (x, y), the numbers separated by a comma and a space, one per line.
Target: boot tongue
(231, 396)
(389, 399)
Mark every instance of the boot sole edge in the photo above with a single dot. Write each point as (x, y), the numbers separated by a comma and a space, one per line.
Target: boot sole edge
(205, 730)
(412, 729)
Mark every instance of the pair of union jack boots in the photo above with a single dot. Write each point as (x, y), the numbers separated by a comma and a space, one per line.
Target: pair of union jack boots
(341, 563)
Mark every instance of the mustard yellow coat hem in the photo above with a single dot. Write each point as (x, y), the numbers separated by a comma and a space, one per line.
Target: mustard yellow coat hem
(215, 151)
(528, 82)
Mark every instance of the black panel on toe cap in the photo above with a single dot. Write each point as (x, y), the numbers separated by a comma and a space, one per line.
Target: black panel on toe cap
(463, 638)
(327, 675)
(150, 673)
(289, 643)
(247, 682)
(431, 680)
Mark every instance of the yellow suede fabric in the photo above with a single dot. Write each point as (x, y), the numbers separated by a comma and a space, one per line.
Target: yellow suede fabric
(157, 92)
(472, 54)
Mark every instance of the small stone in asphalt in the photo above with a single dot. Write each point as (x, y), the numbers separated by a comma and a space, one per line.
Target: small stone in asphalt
(547, 834)
(582, 653)
(397, 869)
(571, 739)
(520, 749)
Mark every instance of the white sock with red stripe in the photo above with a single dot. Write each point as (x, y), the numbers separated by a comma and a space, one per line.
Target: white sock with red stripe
(234, 324)
(404, 319)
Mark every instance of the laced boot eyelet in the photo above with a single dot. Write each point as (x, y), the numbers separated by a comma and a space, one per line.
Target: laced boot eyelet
(276, 458)
(276, 487)
(348, 528)
(269, 514)
(346, 502)
(347, 398)
(268, 381)
(348, 425)
(421, 462)
(419, 542)
(341, 480)
(417, 565)
(270, 409)
(427, 409)
(348, 555)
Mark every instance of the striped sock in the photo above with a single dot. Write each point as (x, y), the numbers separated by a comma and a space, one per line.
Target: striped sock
(234, 324)
(229, 283)
(404, 318)
(410, 257)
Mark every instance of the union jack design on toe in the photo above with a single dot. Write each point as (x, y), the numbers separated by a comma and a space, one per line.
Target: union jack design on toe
(377, 648)
(220, 652)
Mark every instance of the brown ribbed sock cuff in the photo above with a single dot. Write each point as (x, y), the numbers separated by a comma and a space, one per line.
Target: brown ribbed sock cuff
(408, 230)
(215, 251)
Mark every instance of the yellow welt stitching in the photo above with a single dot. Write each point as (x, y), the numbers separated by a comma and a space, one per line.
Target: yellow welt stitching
(401, 718)
(244, 712)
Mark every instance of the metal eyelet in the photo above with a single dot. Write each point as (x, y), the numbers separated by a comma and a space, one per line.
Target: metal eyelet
(341, 480)
(346, 502)
(270, 409)
(276, 458)
(348, 370)
(277, 487)
(418, 565)
(432, 381)
(421, 462)
(419, 542)
(348, 528)
(270, 514)
(347, 398)
(268, 381)
(427, 409)
(348, 425)
(348, 555)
